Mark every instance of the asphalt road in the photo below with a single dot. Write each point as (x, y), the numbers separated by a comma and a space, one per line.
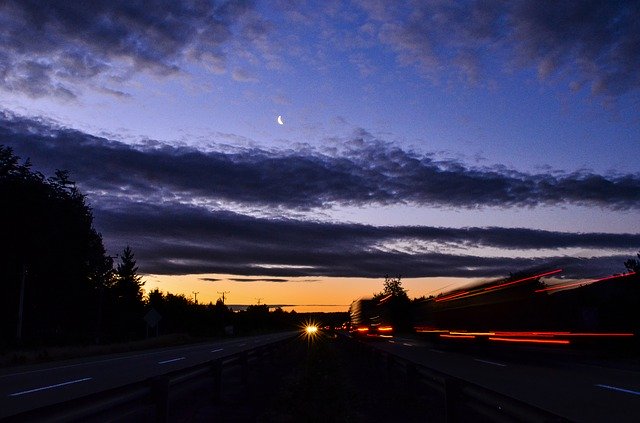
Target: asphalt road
(30, 387)
(578, 388)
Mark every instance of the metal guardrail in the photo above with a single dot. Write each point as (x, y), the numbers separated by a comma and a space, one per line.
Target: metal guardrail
(462, 400)
(149, 398)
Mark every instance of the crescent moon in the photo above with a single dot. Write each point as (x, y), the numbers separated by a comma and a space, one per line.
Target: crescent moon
(280, 121)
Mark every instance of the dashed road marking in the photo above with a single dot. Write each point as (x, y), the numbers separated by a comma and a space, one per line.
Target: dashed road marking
(490, 362)
(218, 350)
(171, 360)
(57, 385)
(613, 388)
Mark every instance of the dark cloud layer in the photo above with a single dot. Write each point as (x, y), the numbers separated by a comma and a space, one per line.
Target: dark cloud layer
(144, 197)
(48, 47)
(259, 280)
(365, 171)
(594, 42)
(178, 239)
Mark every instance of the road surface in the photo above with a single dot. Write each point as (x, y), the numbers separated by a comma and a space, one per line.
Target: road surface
(35, 386)
(578, 388)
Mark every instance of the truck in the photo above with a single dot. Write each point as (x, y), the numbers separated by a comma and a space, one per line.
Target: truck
(368, 318)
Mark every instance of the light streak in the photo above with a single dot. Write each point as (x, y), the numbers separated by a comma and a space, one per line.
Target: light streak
(443, 335)
(472, 333)
(531, 340)
(449, 297)
(421, 329)
(524, 279)
(569, 285)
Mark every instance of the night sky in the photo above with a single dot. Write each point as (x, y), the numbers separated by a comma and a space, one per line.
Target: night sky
(438, 140)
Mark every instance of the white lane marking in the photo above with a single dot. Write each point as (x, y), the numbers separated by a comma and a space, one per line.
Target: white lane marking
(57, 385)
(100, 361)
(613, 388)
(436, 351)
(407, 344)
(90, 362)
(391, 341)
(218, 350)
(242, 345)
(172, 360)
(490, 362)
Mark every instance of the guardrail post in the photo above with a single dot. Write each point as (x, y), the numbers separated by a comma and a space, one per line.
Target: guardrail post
(412, 378)
(244, 363)
(452, 398)
(272, 350)
(390, 363)
(160, 394)
(216, 369)
(259, 355)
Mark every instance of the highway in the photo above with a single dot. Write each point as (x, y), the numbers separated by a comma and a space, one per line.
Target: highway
(577, 388)
(30, 387)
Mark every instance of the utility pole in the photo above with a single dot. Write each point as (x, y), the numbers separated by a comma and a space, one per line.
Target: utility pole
(222, 293)
(195, 296)
(258, 300)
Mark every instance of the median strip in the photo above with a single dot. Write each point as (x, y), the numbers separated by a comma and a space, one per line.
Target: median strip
(57, 385)
(171, 361)
(613, 388)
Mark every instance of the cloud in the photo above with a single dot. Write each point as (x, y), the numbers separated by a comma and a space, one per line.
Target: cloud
(242, 75)
(47, 47)
(595, 43)
(259, 280)
(361, 171)
(162, 200)
(183, 239)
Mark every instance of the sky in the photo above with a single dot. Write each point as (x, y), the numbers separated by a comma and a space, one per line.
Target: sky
(444, 141)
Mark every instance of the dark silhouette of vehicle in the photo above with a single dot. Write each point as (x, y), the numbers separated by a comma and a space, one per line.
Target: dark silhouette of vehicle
(368, 319)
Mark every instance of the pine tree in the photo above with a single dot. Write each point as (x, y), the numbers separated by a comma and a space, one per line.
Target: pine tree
(128, 285)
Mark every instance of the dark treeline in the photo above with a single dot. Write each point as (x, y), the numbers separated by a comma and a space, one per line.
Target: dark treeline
(182, 315)
(59, 286)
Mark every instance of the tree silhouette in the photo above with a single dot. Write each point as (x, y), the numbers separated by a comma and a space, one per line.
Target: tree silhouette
(393, 287)
(128, 284)
(52, 261)
(633, 265)
(126, 299)
(396, 302)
